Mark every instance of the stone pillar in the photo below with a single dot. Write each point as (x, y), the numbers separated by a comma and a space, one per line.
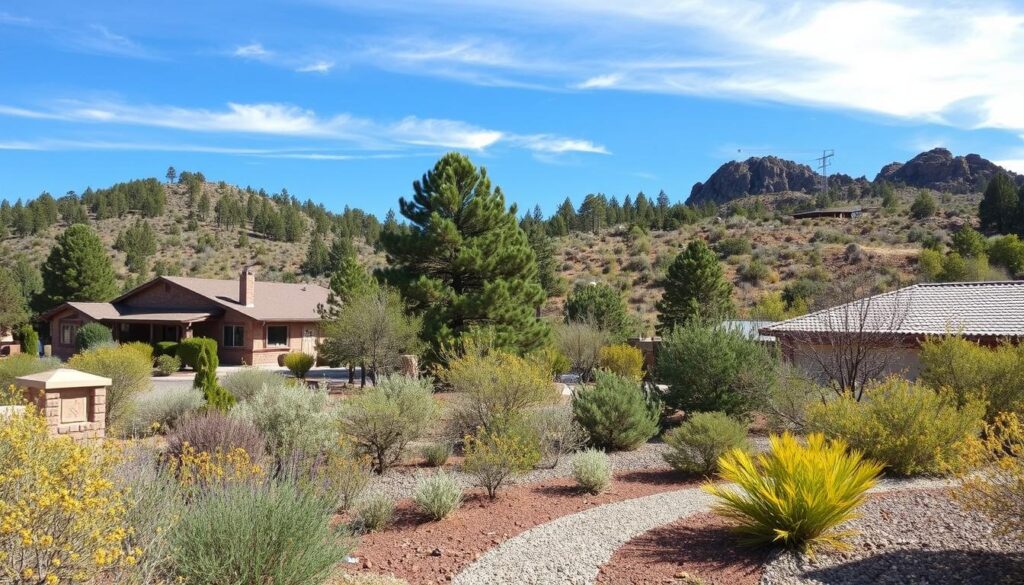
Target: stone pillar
(74, 403)
(410, 366)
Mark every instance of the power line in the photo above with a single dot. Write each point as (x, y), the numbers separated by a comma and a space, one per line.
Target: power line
(823, 162)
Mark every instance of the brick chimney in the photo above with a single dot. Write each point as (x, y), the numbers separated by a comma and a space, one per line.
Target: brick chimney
(247, 286)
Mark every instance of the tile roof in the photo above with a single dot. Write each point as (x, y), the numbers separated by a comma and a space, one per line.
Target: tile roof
(983, 309)
(274, 301)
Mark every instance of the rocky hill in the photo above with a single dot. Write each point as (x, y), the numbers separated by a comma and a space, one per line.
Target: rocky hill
(936, 169)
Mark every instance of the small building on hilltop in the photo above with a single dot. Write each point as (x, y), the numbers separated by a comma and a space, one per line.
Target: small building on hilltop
(840, 212)
(253, 322)
(880, 335)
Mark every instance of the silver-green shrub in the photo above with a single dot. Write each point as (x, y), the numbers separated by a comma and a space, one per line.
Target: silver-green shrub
(437, 454)
(246, 382)
(156, 411)
(374, 513)
(437, 495)
(697, 444)
(592, 470)
(294, 419)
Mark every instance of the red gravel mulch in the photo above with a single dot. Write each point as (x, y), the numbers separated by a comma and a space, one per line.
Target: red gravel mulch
(421, 551)
(691, 550)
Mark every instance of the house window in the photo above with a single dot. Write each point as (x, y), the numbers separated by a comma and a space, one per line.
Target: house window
(67, 333)
(277, 335)
(234, 336)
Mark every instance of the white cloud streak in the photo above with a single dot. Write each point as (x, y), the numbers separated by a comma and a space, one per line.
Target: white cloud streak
(285, 120)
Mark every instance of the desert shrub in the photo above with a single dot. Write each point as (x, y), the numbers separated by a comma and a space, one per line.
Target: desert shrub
(267, 532)
(496, 385)
(733, 247)
(494, 457)
(383, 419)
(1008, 252)
(622, 359)
(998, 491)
(554, 361)
(23, 364)
(437, 454)
(592, 470)
(908, 427)
(157, 411)
(129, 372)
(698, 443)
(165, 348)
(616, 413)
(710, 368)
(756, 272)
(374, 513)
(972, 372)
(91, 335)
(292, 418)
(785, 408)
(299, 363)
(63, 520)
(795, 495)
(346, 474)
(924, 206)
(244, 383)
(581, 343)
(213, 431)
(167, 365)
(437, 495)
(29, 340)
(557, 433)
(190, 349)
(143, 349)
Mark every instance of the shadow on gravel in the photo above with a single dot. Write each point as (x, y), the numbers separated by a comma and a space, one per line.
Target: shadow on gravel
(702, 541)
(935, 567)
(659, 477)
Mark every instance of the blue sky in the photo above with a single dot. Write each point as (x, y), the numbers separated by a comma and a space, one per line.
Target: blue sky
(349, 102)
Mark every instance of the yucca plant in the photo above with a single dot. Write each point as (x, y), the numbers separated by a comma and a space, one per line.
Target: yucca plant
(795, 495)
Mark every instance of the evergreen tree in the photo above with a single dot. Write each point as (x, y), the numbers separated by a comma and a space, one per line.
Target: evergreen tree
(923, 206)
(203, 207)
(28, 277)
(13, 310)
(341, 249)
(77, 269)
(969, 243)
(317, 257)
(138, 242)
(544, 250)
(695, 285)
(348, 280)
(171, 174)
(601, 305)
(998, 209)
(465, 262)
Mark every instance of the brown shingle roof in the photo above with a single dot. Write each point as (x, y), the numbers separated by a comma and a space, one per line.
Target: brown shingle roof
(101, 311)
(274, 301)
(973, 309)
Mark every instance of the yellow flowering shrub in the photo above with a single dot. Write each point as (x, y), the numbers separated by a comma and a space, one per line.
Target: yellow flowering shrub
(11, 395)
(202, 468)
(997, 489)
(495, 457)
(622, 359)
(61, 517)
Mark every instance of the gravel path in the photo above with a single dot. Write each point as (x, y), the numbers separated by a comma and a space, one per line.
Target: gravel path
(571, 549)
(910, 537)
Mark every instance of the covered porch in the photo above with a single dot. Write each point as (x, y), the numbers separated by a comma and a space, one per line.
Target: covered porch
(156, 326)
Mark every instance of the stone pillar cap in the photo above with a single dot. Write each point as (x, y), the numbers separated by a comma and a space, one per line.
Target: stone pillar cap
(61, 378)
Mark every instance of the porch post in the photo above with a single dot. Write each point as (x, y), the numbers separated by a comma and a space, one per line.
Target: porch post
(151, 334)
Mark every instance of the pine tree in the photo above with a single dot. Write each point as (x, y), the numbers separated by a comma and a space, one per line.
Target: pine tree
(465, 262)
(998, 209)
(77, 269)
(341, 249)
(171, 174)
(544, 250)
(317, 258)
(695, 285)
(347, 281)
(13, 310)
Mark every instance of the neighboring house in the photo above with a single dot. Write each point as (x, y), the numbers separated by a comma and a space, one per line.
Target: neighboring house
(253, 322)
(840, 212)
(8, 346)
(885, 331)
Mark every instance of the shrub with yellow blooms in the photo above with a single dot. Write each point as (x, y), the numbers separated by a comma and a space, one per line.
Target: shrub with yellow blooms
(622, 359)
(997, 489)
(202, 468)
(62, 520)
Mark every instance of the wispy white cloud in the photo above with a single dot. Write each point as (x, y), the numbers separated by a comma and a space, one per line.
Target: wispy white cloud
(8, 18)
(251, 51)
(317, 67)
(292, 121)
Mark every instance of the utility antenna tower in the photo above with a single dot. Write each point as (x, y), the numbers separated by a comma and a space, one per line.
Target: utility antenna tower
(823, 162)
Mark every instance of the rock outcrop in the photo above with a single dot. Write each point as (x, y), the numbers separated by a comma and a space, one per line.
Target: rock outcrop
(754, 176)
(938, 169)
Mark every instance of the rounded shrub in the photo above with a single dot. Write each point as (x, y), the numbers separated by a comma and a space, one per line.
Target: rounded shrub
(128, 370)
(437, 495)
(213, 431)
(190, 349)
(167, 365)
(437, 454)
(91, 335)
(29, 340)
(374, 513)
(622, 359)
(299, 363)
(157, 411)
(494, 457)
(616, 413)
(592, 470)
(698, 443)
(244, 383)
(165, 348)
(907, 426)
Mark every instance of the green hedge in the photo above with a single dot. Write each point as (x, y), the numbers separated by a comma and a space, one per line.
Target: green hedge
(165, 348)
(190, 349)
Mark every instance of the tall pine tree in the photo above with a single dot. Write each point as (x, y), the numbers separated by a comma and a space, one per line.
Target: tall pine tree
(465, 262)
(77, 269)
(998, 209)
(695, 285)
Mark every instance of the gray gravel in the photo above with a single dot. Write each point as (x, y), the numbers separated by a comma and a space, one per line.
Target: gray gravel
(400, 483)
(910, 537)
(572, 549)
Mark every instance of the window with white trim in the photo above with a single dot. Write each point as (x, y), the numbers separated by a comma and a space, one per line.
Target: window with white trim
(67, 333)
